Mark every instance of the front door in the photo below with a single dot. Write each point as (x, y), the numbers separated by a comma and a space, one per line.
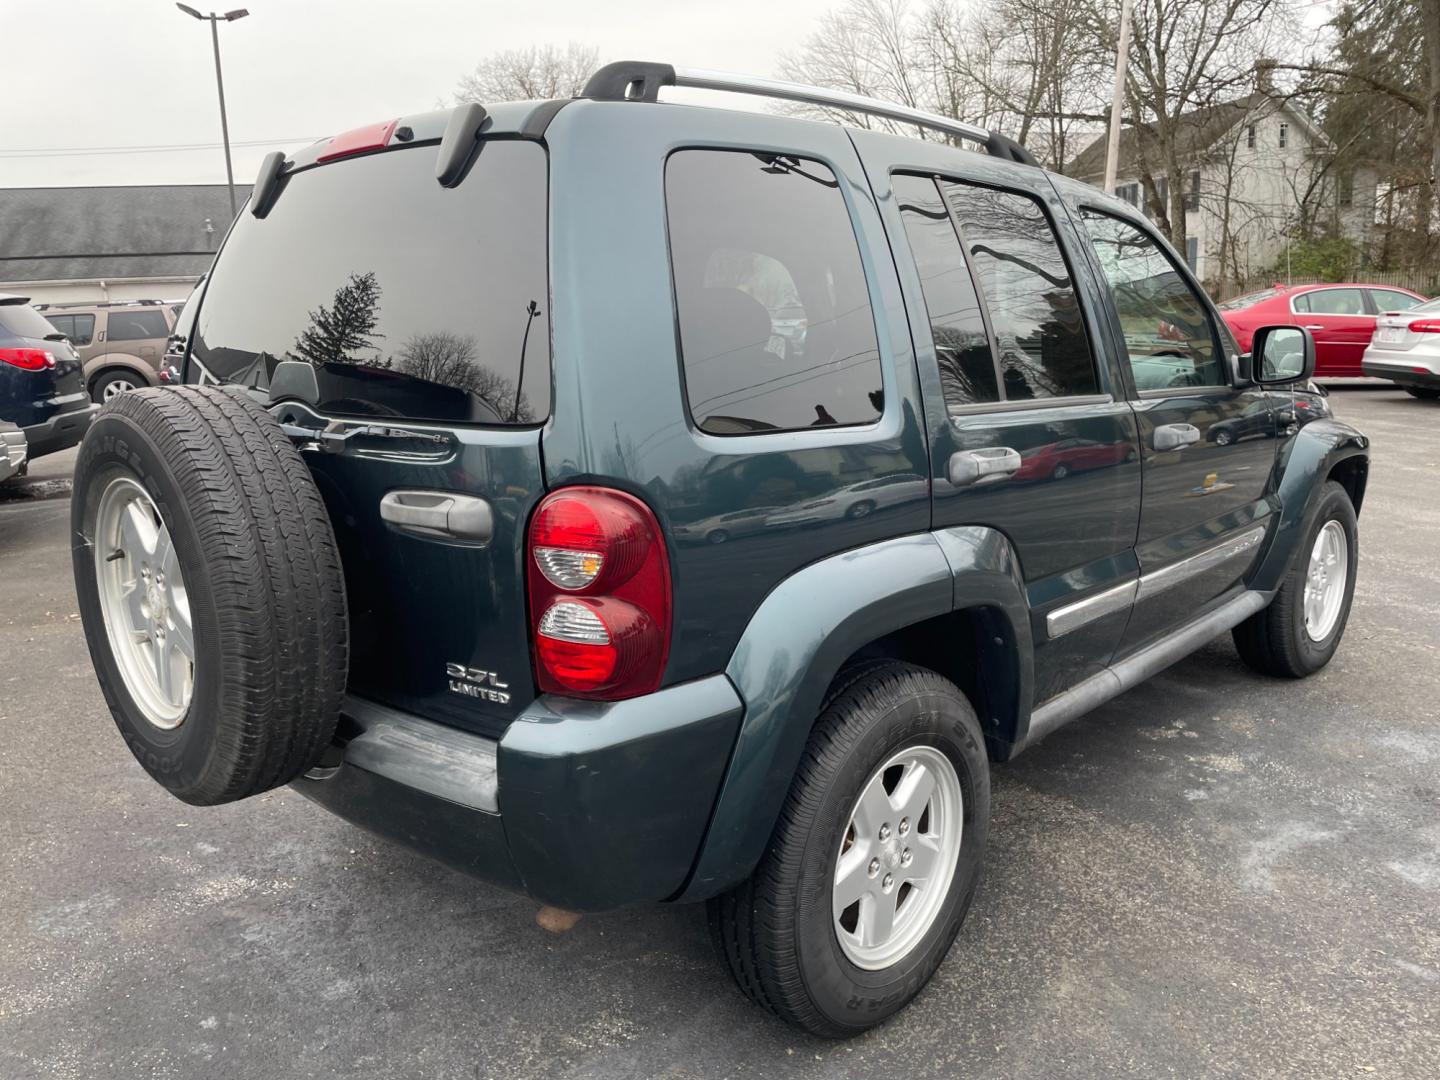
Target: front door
(1207, 446)
(1010, 364)
(1341, 324)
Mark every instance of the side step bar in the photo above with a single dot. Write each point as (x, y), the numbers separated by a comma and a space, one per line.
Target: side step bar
(1136, 668)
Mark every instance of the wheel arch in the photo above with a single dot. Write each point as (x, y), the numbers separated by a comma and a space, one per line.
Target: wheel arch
(101, 366)
(951, 597)
(1322, 450)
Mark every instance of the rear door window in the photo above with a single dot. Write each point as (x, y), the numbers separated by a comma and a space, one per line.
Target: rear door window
(776, 330)
(1035, 317)
(137, 325)
(1390, 300)
(1331, 302)
(408, 299)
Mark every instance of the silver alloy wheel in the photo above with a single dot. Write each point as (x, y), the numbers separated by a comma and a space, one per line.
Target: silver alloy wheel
(116, 387)
(1325, 580)
(897, 857)
(143, 603)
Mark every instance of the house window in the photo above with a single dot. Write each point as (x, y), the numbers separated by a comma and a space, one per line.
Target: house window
(1192, 252)
(1250, 137)
(1346, 185)
(1130, 193)
(1162, 194)
(1284, 135)
(1192, 196)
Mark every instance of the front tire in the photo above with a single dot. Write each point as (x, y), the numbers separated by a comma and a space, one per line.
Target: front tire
(874, 860)
(1301, 629)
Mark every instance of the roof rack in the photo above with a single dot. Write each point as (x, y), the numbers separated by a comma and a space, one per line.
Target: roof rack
(637, 80)
(98, 304)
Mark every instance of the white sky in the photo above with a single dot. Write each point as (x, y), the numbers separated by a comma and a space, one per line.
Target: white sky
(119, 73)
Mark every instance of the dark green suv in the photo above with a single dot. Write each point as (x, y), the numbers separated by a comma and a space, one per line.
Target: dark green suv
(628, 502)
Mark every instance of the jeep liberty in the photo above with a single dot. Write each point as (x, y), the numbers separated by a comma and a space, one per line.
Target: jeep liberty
(631, 502)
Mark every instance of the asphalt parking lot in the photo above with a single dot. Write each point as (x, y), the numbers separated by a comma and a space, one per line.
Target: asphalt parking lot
(1216, 875)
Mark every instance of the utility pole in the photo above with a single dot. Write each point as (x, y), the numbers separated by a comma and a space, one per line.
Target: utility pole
(214, 20)
(1117, 101)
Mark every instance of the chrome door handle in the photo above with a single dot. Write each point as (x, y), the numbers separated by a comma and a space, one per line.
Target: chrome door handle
(1313, 326)
(971, 466)
(443, 515)
(1174, 436)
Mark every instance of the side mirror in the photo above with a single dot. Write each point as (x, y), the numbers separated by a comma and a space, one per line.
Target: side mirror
(1281, 355)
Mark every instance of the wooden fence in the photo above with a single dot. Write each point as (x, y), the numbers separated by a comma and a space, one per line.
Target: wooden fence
(1424, 282)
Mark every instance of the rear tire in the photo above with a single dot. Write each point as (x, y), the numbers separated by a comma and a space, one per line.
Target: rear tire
(113, 383)
(1424, 393)
(1277, 640)
(263, 596)
(780, 931)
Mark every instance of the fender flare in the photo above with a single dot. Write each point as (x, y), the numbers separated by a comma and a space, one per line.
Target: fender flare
(796, 643)
(1300, 474)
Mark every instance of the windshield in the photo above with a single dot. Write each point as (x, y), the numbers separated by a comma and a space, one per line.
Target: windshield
(409, 299)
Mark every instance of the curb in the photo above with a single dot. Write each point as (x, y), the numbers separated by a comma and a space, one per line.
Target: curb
(35, 490)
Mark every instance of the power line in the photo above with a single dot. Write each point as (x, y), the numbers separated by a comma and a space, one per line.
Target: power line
(158, 148)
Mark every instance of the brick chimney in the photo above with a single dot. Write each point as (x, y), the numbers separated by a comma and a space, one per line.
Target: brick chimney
(1265, 74)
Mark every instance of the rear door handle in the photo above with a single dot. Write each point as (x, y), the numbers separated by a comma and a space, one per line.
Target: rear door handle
(1313, 326)
(442, 515)
(971, 466)
(1174, 436)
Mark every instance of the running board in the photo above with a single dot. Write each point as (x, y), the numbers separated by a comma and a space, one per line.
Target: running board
(1136, 668)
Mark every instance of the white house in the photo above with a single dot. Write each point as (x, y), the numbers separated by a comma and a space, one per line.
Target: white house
(1257, 169)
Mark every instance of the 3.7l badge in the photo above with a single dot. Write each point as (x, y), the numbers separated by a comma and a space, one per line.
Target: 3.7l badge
(476, 683)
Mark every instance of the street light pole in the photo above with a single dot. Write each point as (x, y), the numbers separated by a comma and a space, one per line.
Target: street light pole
(1117, 102)
(214, 20)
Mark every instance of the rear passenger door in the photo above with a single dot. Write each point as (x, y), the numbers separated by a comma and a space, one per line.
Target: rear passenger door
(1208, 446)
(1012, 368)
(1341, 324)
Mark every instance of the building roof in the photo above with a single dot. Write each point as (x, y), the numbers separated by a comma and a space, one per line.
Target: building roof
(80, 233)
(1199, 130)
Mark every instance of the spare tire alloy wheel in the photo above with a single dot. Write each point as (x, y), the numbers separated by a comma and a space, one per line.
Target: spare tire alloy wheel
(210, 587)
(144, 603)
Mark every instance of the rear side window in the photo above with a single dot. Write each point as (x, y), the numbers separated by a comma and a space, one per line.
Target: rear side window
(962, 347)
(82, 330)
(409, 299)
(1331, 302)
(1034, 314)
(136, 325)
(776, 331)
(1390, 300)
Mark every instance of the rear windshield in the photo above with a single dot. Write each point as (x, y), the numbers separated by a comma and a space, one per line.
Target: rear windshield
(21, 320)
(408, 299)
(1245, 301)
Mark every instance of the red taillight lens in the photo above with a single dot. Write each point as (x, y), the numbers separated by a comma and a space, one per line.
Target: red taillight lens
(358, 141)
(600, 605)
(28, 359)
(1425, 326)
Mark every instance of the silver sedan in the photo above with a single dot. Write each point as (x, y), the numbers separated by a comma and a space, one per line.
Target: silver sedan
(1406, 349)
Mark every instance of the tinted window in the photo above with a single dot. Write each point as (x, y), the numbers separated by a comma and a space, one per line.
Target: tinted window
(63, 324)
(21, 320)
(1331, 302)
(1026, 287)
(962, 347)
(1169, 335)
(409, 299)
(776, 331)
(136, 325)
(84, 329)
(1390, 300)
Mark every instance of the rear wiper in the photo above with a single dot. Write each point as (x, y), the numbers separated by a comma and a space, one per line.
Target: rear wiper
(56, 337)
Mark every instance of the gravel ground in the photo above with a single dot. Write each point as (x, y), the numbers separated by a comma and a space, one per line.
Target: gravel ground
(1216, 875)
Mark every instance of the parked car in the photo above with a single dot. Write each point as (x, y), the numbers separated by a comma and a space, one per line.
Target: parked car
(121, 342)
(1406, 350)
(42, 390)
(13, 450)
(1057, 460)
(1340, 317)
(445, 593)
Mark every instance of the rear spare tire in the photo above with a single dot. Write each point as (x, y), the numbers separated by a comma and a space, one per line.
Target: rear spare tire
(210, 589)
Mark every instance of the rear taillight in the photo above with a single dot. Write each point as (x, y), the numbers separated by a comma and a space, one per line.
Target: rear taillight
(600, 606)
(1425, 326)
(28, 359)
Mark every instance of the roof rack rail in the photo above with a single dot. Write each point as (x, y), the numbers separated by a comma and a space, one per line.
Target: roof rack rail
(637, 80)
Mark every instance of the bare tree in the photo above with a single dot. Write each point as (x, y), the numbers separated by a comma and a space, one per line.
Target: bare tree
(536, 73)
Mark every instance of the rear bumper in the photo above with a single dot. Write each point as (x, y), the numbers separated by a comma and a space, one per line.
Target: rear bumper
(60, 431)
(13, 452)
(1414, 373)
(585, 805)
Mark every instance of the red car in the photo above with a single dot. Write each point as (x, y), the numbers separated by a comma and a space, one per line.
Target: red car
(1341, 318)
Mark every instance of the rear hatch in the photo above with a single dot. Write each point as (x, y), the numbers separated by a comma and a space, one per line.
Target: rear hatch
(40, 375)
(407, 325)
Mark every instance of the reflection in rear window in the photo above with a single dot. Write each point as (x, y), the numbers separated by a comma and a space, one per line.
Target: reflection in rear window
(410, 300)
